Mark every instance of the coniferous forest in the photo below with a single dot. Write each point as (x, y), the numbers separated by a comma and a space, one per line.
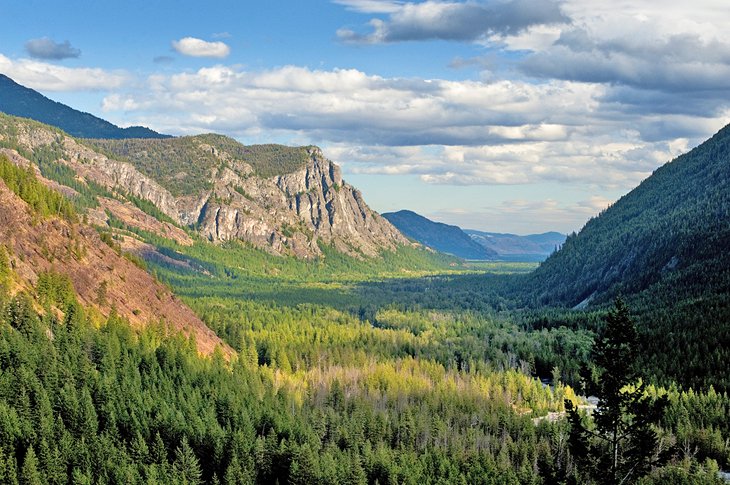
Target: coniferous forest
(251, 339)
(346, 372)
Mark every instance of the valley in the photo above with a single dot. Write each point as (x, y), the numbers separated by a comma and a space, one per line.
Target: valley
(194, 310)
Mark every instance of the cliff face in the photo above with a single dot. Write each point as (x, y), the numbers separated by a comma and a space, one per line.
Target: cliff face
(227, 191)
(291, 212)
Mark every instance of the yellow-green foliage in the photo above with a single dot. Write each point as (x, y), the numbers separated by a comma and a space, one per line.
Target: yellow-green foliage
(44, 201)
(55, 289)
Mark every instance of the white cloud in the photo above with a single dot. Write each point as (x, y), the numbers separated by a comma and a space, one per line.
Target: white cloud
(50, 77)
(191, 46)
(445, 132)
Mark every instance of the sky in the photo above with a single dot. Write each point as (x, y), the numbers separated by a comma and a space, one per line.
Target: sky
(519, 116)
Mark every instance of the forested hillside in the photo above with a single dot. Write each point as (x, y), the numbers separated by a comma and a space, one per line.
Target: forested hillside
(665, 246)
(48, 246)
(184, 165)
(315, 396)
(18, 100)
(675, 226)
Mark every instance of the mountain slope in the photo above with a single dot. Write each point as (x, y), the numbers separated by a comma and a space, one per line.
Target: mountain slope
(287, 200)
(674, 224)
(534, 247)
(18, 100)
(439, 236)
(665, 248)
(39, 242)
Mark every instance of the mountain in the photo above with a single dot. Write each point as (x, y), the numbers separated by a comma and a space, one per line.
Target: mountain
(286, 200)
(45, 239)
(674, 227)
(436, 235)
(665, 248)
(20, 101)
(511, 247)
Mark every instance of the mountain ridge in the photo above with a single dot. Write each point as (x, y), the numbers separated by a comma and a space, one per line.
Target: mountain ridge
(439, 236)
(664, 225)
(18, 100)
(223, 197)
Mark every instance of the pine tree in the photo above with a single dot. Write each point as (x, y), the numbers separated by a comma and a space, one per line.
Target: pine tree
(8, 469)
(621, 446)
(186, 468)
(303, 468)
(30, 475)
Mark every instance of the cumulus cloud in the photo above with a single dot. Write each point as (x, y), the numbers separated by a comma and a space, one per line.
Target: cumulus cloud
(449, 20)
(669, 60)
(50, 77)
(193, 47)
(45, 48)
(581, 162)
(445, 132)
(678, 63)
(349, 105)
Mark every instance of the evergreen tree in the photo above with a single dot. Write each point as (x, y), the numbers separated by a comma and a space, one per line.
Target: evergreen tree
(621, 446)
(30, 475)
(8, 470)
(186, 468)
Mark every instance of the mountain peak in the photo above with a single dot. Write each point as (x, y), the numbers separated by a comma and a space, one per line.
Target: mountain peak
(439, 236)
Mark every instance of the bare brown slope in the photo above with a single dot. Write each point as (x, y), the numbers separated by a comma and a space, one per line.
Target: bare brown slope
(77, 251)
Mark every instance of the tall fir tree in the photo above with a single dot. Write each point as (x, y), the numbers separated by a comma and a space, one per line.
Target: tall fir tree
(30, 474)
(620, 444)
(186, 468)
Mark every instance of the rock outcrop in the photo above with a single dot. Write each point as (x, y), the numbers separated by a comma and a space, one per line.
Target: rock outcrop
(292, 212)
(288, 213)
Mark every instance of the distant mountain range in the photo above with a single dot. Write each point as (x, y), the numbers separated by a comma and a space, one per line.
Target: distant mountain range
(20, 101)
(436, 235)
(475, 245)
(511, 247)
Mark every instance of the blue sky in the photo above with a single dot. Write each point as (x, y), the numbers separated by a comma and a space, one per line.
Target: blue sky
(503, 115)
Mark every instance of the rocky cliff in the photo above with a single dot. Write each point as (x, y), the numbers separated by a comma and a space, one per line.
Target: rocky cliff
(293, 212)
(281, 199)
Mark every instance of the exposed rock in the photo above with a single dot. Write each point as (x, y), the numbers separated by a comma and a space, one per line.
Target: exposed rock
(134, 217)
(291, 213)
